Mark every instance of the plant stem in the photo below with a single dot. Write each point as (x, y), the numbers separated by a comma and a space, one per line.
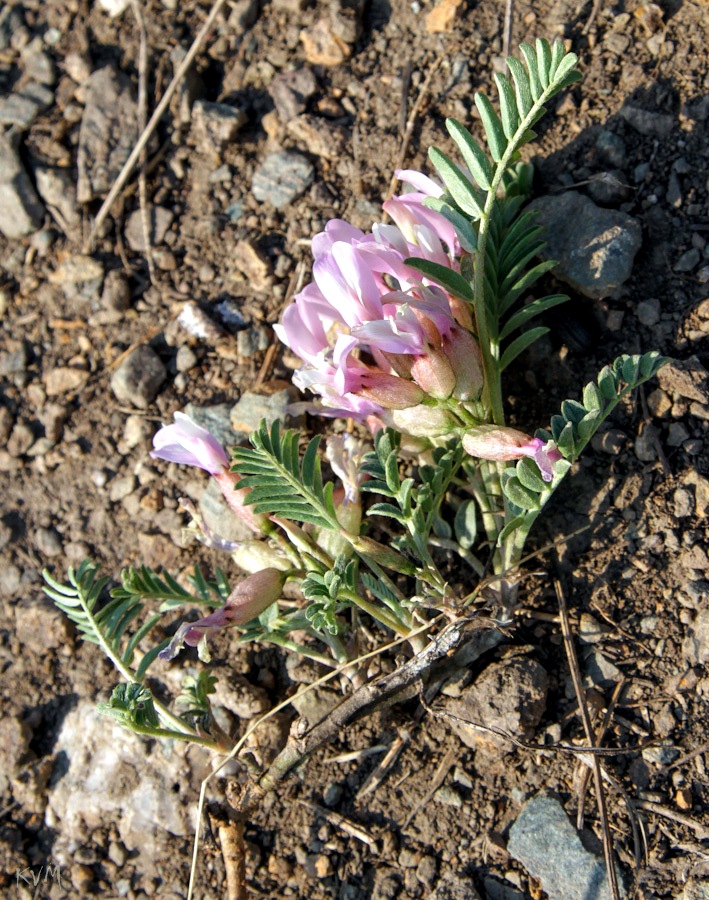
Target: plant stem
(380, 615)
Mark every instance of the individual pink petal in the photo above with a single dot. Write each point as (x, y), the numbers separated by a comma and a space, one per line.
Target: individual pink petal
(421, 182)
(188, 443)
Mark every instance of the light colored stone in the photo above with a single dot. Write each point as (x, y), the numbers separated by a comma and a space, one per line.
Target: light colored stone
(64, 379)
(443, 16)
(21, 213)
(549, 847)
(108, 132)
(322, 47)
(160, 219)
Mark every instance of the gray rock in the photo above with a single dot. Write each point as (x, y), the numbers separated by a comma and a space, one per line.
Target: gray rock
(290, 92)
(79, 276)
(243, 15)
(608, 189)
(695, 647)
(282, 178)
(509, 695)
(685, 378)
(138, 378)
(21, 108)
(648, 312)
(220, 518)
(663, 755)
(215, 125)
(186, 359)
(688, 261)
(108, 132)
(48, 542)
(160, 220)
(15, 737)
(601, 670)
(314, 705)
(110, 777)
(696, 888)
(56, 187)
(21, 213)
(318, 136)
(596, 255)
(116, 291)
(247, 414)
(10, 580)
(648, 123)
(454, 886)
(216, 419)
(590, 629)
(37, 64)
(240, 697)
(41, 626)
(611, 147)
(549, 847)
(683, 503)
(346, 19)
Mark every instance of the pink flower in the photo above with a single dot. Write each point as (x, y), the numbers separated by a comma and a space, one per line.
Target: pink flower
(248, 600)
(188, 443)
(372, 331)
(500, 443)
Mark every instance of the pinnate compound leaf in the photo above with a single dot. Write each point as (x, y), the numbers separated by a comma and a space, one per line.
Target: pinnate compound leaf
(280, 484)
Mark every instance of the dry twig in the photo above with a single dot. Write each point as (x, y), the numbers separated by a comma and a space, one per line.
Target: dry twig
(157, 115)
(590, 737)
(142, 121)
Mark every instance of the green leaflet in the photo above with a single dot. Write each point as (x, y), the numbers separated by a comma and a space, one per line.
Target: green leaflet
(280, 484)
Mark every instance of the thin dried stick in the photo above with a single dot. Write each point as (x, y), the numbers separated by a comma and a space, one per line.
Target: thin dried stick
(411, 121)
(597, 4)
(590, 737)
(600, 736)
(142, 121)
(507, 30)
(157, 115)
(438, 779)
(700, 830)
(346, 825)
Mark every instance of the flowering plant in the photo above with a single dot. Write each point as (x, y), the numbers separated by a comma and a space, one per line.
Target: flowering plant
(407, 330)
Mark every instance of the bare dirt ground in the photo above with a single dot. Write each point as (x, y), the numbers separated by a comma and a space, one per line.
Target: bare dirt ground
(77, 481)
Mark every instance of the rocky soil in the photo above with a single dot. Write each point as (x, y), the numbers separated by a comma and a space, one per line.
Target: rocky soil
(294, 112)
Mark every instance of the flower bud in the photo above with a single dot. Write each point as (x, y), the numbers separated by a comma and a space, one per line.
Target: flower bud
(383, 555)
(500, 443)
(389, 391)
(465, 358)
(434, 374)
(248, 600)
(420, 421)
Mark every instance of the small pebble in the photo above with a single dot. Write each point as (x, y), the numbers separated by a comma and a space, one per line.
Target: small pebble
(186, 359)
(48, 542)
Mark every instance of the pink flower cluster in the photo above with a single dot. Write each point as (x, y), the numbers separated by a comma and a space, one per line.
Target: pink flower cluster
(373, 332)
